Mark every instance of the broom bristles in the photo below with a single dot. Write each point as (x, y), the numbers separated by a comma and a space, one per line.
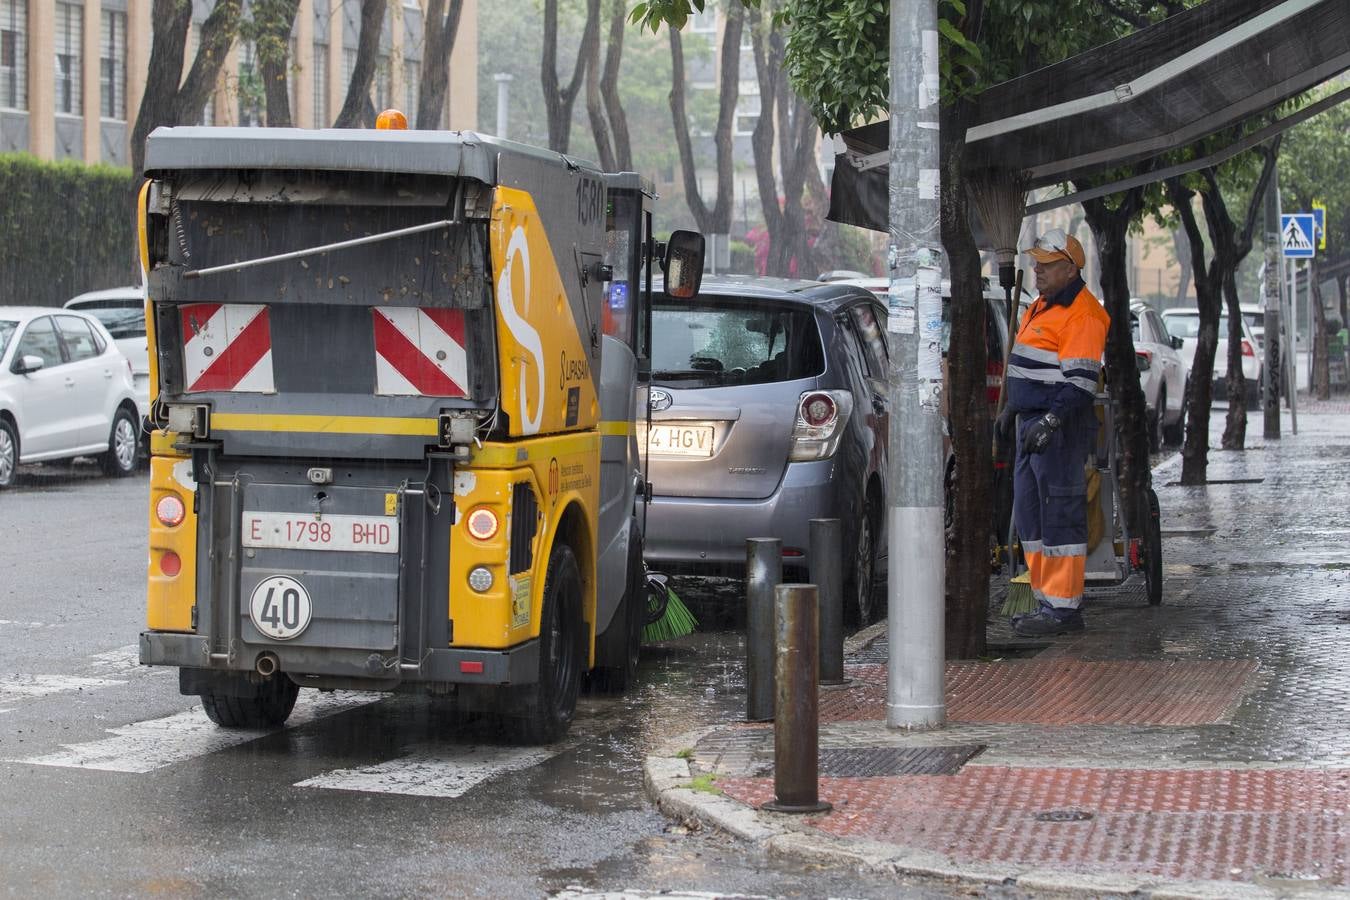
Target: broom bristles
(1020, 599)
(675, 623)
(1000, 198)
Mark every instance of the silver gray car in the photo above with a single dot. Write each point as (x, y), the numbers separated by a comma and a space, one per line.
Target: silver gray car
(768, 409)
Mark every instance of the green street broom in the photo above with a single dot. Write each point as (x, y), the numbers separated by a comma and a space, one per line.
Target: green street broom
(667, 616)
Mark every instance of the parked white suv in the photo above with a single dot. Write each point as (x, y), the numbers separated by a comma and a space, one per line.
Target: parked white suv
(65, 391)
(1162, 375)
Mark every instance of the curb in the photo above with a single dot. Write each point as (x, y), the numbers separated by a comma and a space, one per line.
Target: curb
(666, 780)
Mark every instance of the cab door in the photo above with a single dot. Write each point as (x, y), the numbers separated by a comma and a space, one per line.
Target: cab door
(46, 425)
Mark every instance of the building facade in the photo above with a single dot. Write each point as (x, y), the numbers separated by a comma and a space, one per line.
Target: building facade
(72, 72)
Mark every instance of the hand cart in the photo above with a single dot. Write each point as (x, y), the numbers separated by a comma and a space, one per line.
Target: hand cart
(1120, 554)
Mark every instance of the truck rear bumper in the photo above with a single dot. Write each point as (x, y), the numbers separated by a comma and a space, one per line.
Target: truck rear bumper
(516, 665)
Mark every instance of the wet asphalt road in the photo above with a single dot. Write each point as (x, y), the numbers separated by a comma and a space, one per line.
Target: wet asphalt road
(353, 798)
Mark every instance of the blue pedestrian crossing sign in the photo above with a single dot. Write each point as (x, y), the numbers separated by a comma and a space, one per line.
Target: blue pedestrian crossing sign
(1297, 235)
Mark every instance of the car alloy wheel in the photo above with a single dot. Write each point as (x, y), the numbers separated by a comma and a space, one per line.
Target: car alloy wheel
(120, 459)
(9, 454)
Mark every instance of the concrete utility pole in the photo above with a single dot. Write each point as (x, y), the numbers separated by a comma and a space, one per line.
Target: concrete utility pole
(1273, 288)
(914, 696)
(503, 80)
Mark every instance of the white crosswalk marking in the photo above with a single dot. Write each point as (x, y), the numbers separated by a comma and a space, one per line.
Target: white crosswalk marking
(121, 661)
(440, 771)
(155, 743)
(20, 687)
(579, 893)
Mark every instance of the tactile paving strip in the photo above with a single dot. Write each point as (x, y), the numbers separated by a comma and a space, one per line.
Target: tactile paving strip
(1066, 692)
(1213, 825)
(858, 762)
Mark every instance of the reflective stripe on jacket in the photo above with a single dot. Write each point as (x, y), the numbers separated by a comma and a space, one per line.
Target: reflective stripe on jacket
(1058, 355)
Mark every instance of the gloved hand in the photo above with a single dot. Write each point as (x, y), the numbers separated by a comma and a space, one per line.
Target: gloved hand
(1005, 424)
(1038, 435)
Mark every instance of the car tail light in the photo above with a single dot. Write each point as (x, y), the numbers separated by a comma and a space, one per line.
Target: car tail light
(1143, 360)
(482, 523)
(170, 563)
(170, 510)
(821, 417)
(1247, 348)
(993, 380)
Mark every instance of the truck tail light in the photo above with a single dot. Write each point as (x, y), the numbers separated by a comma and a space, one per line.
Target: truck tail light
(170, 563)
(482, 524)
(821, 417)
(170, 510)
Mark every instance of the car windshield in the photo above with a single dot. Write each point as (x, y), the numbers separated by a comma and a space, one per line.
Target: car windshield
(1189, 326)
(121, 321)
(7, 329)
(731, 340)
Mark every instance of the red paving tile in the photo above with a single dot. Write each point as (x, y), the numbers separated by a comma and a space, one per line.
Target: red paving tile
(1181, 824)
(1065, 692)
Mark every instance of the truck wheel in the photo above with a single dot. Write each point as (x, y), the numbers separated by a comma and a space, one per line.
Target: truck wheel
(252, 705)
(543, 710)
(622, 640)
(123, 446)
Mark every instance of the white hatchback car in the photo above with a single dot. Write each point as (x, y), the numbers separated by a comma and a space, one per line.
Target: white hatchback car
(1185, 324)
(1162, 375)
(65, 391)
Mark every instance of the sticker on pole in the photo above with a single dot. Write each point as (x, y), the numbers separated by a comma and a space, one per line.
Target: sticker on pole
(280, 608)
(1296, 235)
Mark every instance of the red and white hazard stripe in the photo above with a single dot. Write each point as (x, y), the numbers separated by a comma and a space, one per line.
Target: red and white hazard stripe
(227, 347)
(420, 351)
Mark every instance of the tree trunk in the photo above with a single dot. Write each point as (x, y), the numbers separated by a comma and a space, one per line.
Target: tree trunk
(1208, 299)
(595, 107)
(1235, 425)
(218, 33)
(558, 100)
(357, 108)
(1109, 231)
(967, 588)
(1321, 381)
(604, 106)
(718, 219)
(171, 21)
(441, 29)
(275, 19)
(1182, 247)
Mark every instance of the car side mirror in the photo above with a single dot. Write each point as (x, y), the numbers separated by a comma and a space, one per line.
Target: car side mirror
(26, 364)
(683, 264)
(1177, 342)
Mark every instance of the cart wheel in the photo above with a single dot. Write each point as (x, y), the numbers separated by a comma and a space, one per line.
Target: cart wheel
(1153, 550)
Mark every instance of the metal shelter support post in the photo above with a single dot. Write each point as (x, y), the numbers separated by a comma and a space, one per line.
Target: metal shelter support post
(914, 694)
(763, 574)
(1291, 355)
(796, 725)
(1273, 289)
(825, 552)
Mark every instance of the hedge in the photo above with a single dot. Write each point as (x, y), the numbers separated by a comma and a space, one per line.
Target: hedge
(65, 228)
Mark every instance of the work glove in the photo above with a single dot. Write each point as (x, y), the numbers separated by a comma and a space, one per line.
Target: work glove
(1038, 435)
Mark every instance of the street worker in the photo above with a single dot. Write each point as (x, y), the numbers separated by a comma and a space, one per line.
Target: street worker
(1052, 381)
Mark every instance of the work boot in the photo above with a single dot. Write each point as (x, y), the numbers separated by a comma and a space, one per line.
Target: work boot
(1048, 621)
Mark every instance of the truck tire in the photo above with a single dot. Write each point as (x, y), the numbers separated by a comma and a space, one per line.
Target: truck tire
(542, 712)
(263, 705)
(621, 644)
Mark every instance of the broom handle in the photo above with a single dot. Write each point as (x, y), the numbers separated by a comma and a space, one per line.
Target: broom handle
(1012, 336)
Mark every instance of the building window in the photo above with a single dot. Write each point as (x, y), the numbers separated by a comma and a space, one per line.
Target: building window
(14, 54)
(747, 111)
(383, 85)
(703, 22)
(113, 65)
(249, 86)
(323, 116)
(69, 62)
(412, 83)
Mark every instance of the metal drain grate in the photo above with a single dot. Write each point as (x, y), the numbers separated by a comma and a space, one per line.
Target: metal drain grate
(1220, 481)
(861, 762)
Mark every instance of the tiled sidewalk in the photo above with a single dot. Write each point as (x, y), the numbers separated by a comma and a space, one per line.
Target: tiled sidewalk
(1203, 745)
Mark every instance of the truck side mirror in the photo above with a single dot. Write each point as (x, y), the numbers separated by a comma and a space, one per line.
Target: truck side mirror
(683, 264)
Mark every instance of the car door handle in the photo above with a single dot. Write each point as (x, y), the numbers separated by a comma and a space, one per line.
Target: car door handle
(70, 382)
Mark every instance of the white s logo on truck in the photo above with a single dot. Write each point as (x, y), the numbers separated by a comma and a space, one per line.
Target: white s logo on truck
(521, 330)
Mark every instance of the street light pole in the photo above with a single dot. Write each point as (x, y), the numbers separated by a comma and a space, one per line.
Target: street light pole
(914, 695)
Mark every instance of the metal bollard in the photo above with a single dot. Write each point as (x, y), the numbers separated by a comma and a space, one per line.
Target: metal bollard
(763, 573)
(826, 555)
(796, 738)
